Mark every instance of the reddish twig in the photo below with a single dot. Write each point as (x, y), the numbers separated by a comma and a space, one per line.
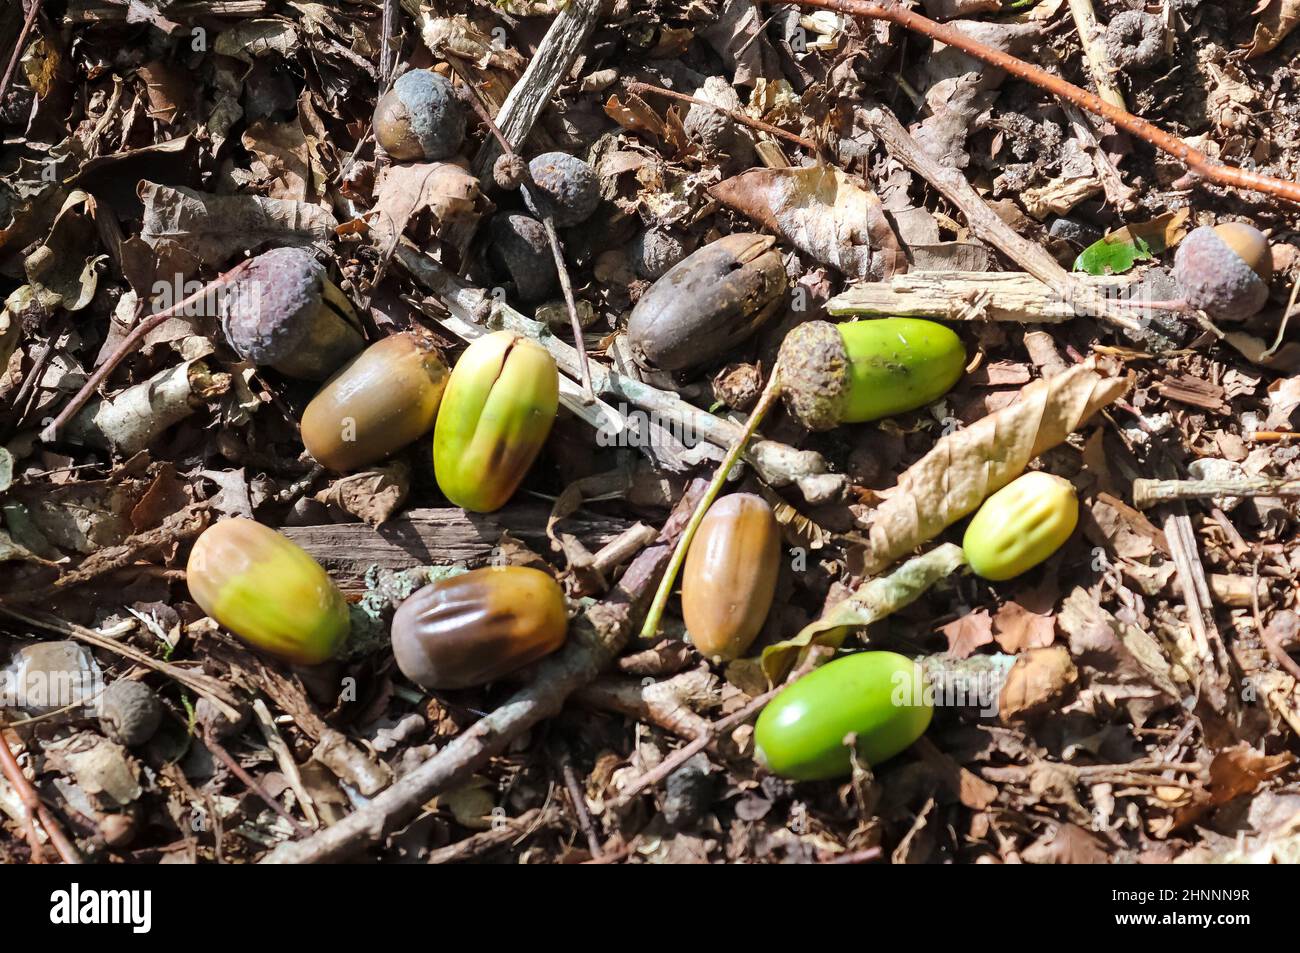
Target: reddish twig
(128, 346)
(213, 745)
(636, 87)
(1194, 159)
(36, 810)
(18, 48)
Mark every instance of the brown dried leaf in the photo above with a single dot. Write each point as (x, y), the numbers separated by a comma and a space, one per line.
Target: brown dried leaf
(449, 192)
(1019, 629)
(822, 212)
(635, 115)
(964, 467)
(1233, 772)
(1038, 679)
(188, 227)
(968, 632)
(1276, 19)
(283, 160)
(373, 495)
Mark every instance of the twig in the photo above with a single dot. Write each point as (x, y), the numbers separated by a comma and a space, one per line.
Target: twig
(26, 795)
(512, 830)
(1266, 636)
(224, 756)
(683, 754)
(1147, 493)
(548, 223)
(18, 47)
(736, 116)
(1094, 49)
(129, 345)
(1274, 436)
(765, 403)
(1194, 159)
(986, 225)
(555, 56)
(387, 55)
(601, 635)
(579, 802)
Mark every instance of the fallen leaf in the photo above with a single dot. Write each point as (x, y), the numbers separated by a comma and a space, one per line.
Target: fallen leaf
(450, 193)
(1018, 629)
(1038, 680)
(372, 495)
(821, 211)
(1276, 20)
(967, 633)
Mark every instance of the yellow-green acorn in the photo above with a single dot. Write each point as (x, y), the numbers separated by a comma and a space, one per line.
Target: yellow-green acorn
(496, 413)
(880, 698)
(268, 591)
(1020, 525)
(380, 401)
(834, 374)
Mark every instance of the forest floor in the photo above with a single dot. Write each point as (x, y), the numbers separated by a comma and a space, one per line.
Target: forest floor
(1138, 704)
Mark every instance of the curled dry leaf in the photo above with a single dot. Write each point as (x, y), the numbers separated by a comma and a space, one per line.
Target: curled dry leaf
(1276, 20)
(373, 495)
(1039, 679)
(821, 211)
(964, 467)
(61, 274)
(449, 192)
(870, 602)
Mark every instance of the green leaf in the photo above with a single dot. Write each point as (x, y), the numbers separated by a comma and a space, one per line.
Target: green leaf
(1105, 257)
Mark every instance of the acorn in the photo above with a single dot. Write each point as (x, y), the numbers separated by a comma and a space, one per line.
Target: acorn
(833, 374)
(730, 576)
(268, 591)
(496, 414)
(283, 312)
(707, 303)
(879, 699)
(420, 118)
(1224, 270)
(384, 399)
(130, 712)
(564, 187)
(473, 628)
(520, 250)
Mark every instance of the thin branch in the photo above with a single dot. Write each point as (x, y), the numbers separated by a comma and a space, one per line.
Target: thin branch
(1148, 493)
(1194, 159)
(736, 116)
(18, 47)
(128, 346)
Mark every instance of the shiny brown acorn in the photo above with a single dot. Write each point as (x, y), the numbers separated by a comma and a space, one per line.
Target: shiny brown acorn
(385, 398)
(473, 628)
(730, 575)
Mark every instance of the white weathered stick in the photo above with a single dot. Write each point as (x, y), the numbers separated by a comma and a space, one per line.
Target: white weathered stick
(1094, 48)
(1148, 493)
(966, 296)
(547, 69)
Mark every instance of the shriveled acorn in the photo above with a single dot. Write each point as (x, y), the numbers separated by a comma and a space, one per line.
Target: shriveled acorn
(520, 250)
(473, 628)
(1224, 270)
(284, 313)
(564, 187)
(834, 374)
(496, 413)
(385, 398)
(879, 697)
(268, 591)
(419, 118)
(707, 303)
(730, 575)
(1021, 525)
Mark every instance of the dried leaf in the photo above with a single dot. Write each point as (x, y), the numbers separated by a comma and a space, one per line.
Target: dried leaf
(208, 229)
(1039, 678)
(1276, 20)
(821, 211)
(1020, 629)
(372, 495)
(965, 466)
(448, 191)
(872, 601)
(283, 160)
(968, 632)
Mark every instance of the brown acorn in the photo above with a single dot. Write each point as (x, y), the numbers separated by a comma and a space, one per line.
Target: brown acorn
(420, 118)
(1225, 270)
(473, 628)
(384, 399)
(730, 576)
(283, 312)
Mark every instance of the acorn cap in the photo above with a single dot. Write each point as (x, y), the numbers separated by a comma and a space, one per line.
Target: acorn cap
(814, 368)
(1224, 270)
(284, 313)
